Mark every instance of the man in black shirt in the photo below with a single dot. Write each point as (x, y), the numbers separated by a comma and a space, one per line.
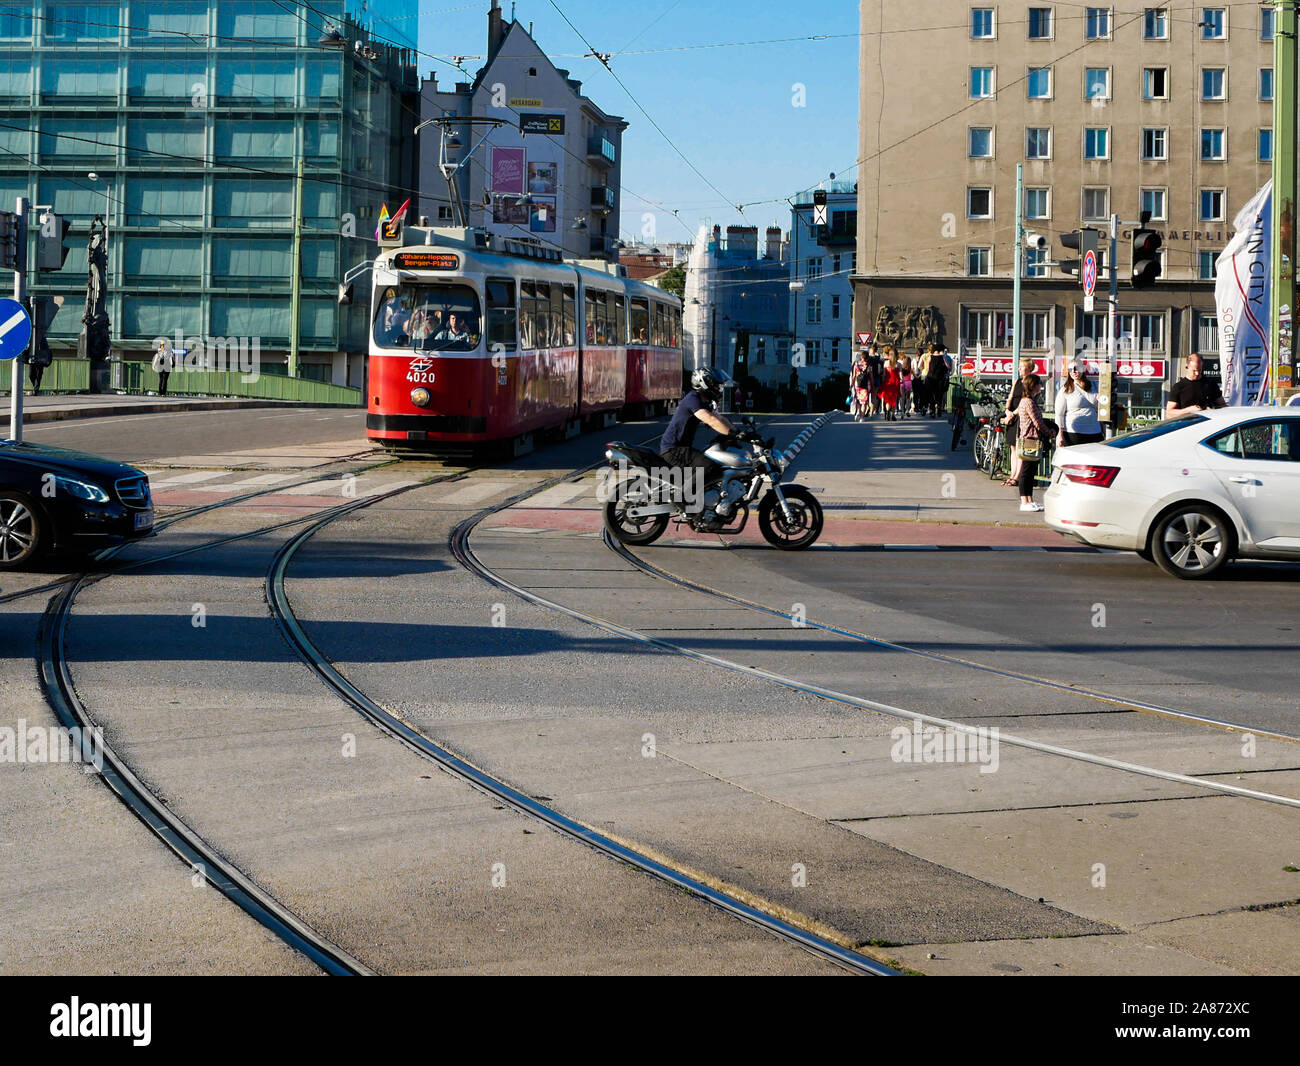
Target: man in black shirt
(678, 441)
(1193, 393)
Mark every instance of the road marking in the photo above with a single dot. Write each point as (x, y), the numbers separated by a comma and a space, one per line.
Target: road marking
(189, 479)
(476, 491)
(558, 495)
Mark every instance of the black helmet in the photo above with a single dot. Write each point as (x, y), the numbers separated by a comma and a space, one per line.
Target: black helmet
(709, 382)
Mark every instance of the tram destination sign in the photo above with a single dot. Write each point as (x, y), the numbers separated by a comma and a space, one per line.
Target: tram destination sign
(425, 261)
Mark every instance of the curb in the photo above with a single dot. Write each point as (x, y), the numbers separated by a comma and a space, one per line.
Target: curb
(797, 445)
(113, 410)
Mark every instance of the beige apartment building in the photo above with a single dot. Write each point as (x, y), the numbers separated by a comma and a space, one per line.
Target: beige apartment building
(1123, 108)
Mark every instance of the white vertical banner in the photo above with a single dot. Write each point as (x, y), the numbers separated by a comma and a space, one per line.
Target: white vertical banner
(1242, 292)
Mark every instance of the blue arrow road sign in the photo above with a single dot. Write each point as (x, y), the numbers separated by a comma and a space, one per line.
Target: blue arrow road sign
(15, 329)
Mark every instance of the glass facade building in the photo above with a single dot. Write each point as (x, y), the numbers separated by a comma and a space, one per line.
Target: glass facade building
(194, 116)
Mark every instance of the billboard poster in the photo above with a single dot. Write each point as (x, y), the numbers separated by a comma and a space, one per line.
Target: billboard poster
(509, 212)
(508, 170)
(542, 178)
(542, 219)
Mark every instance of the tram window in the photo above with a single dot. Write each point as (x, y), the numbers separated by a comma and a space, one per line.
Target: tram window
(430, 318)
(658, 331)
(570, 316)
(619, 310)
(595, 315)
(640, 321)
(675, 327)
(501, 311)
(557, 317)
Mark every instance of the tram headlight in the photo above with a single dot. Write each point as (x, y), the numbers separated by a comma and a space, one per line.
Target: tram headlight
(421, 397)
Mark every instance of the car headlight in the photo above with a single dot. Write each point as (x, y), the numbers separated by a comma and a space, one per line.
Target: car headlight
(421, 397)
(82, 490)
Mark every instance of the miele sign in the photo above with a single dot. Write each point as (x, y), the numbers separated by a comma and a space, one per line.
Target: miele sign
(1130, 368)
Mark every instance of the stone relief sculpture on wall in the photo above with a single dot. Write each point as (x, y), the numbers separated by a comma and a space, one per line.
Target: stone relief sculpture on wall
(920, 325)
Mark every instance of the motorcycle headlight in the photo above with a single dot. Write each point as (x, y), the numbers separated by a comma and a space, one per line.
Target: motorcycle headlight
(81, 490)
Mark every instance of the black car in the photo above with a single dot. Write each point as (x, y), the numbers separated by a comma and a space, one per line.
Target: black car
(52, 499)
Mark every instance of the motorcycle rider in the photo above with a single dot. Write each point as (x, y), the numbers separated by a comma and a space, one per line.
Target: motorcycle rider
(677, 443)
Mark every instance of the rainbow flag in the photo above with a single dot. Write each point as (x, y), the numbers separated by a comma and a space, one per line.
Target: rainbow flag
(383, 217)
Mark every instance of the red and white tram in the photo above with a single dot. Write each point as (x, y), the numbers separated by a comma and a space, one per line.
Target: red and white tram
(477, 338)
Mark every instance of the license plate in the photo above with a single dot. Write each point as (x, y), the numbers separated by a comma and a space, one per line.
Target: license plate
(144, 520)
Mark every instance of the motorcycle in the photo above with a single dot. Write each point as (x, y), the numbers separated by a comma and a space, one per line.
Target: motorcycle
(642, 493)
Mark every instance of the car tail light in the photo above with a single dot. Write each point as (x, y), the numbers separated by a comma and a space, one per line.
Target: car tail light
(1101, 476)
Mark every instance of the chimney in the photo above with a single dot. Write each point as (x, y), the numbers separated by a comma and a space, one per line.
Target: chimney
(743, 239)
(496, 30)
(774, 242)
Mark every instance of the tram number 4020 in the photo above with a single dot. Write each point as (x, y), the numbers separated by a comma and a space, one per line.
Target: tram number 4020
(420, 377)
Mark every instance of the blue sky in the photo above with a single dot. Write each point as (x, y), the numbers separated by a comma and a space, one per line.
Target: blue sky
(730, 110)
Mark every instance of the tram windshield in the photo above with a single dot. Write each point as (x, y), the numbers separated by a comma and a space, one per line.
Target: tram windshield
(428, 318)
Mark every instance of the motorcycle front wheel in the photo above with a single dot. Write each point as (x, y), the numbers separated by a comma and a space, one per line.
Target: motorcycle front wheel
(801, 529)
(632, 530)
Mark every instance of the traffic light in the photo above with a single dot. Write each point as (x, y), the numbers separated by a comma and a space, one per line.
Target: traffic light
(51, 251)
(9, 259)
(1146, 257)
(1083, 242)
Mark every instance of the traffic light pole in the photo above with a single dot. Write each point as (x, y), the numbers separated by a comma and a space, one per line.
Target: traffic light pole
(1112, 257)
(20, 294)
(1283, 239)
(1018, 261)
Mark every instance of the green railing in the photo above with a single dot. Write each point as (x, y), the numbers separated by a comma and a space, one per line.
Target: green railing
(139, 377)
(62, 375)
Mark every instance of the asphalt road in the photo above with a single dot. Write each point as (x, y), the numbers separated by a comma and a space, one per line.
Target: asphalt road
(142, 438)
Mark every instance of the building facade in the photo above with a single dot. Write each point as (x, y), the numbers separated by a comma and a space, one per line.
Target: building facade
(1118, 109)
(823, 256)
(194, 115)
(551, 171)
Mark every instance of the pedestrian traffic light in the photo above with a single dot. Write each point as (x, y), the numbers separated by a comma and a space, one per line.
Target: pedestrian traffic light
(51, 251)
(1146, 257)
(742, 350)
(1081, 241)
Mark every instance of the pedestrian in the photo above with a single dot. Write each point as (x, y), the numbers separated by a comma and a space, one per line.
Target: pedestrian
(1029, 444)
(36, 364)
(936, 379)
(905, 386)
(1076, 409)
(861, 388)
(920, 385)
(1193, 393)
(889, 384)
(1009, 420)
(163, 363)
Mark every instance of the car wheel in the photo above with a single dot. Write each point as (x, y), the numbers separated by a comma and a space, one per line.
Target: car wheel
(1192, 542)
(22, 531)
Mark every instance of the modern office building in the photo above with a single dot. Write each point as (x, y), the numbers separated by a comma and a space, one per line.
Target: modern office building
(194, 116)
(550, 172)
(1166, 109)
(823, 256)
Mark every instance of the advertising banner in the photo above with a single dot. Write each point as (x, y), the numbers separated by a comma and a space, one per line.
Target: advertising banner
(508, 170)
(1242, 299)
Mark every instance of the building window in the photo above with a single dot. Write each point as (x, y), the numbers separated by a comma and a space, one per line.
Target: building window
(835, 307)
(1266, 83)
(1096, 83)
(1038, 85)
(1096, 142)
(1155, 83)
(977, 328)
(814, 268)
(835, 266)
(1207, 332)
(1211, 205)
(981, 82)
(1035, 262)
(814, 310)
(444, 213)
(1213, 144)
(1214, 23)
(835, 349)
(1038, 142)
(1155, 143)
(1207, 264)
(1266, 146)
(1038, 203)
(1214, 83)
(981, 142)
(1040, 23)
(981, 23)
(1151, 331)
(979, 202)
(1155, 26)
(814, 352)
(1154, 204)
(1035, 330)
(1098, 23)
(1267, 23)
(1096, 204)
(979, 262)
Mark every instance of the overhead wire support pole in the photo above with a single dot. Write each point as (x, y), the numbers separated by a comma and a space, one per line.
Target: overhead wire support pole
(1112, 317)
(20, 294)
(1018, 266)
(1283, 237)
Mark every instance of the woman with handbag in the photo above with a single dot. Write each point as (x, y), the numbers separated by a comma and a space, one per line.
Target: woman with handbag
(1030, 445)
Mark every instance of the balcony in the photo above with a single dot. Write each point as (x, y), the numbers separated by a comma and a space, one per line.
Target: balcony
(602, 199)
(601, 151)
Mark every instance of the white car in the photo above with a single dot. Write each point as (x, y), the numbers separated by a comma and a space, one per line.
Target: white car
(1189, 493)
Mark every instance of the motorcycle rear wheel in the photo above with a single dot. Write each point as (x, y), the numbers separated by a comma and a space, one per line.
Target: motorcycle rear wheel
(632, 530)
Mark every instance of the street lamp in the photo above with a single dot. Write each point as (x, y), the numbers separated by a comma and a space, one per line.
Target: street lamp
(94, 176)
